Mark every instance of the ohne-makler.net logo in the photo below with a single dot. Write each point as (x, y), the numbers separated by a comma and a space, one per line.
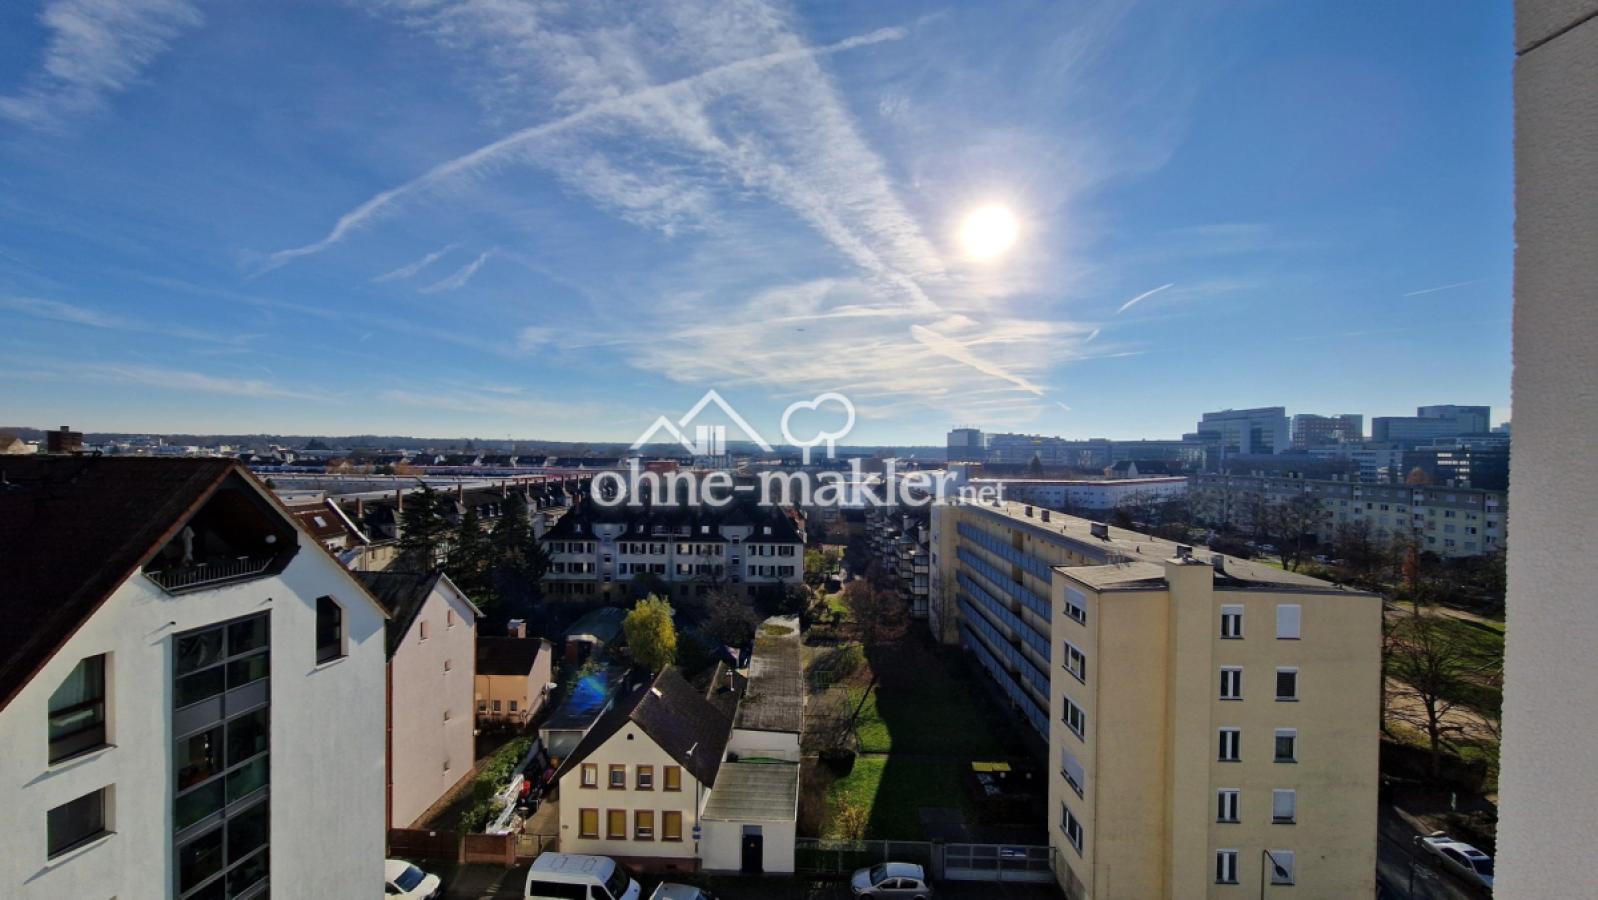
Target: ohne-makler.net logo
(716, 487)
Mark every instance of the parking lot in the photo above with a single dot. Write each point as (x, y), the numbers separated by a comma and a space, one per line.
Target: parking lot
(485, 882)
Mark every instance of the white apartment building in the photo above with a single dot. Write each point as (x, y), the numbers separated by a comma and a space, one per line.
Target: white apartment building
(1088, 495)
(189, 690)
(596, 551)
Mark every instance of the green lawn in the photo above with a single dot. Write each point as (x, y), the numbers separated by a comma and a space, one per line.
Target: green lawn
(932, 714)
(895, 791)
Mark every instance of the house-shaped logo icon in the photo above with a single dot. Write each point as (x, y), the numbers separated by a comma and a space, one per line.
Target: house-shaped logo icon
(708, 440)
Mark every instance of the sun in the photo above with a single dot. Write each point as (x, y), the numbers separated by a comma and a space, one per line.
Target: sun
(988, 232)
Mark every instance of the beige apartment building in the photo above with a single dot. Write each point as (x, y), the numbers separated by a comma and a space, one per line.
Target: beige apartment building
(1212, 723)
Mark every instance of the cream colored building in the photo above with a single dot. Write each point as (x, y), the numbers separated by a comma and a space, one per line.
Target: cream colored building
(1205, 716)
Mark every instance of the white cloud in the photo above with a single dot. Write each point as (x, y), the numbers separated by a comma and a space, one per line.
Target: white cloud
(95, 48)
(406, 271)
(458, 279)
(57, 311)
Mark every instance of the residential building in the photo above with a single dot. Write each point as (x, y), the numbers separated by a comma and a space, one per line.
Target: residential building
(1199, 710)
(635, 786)
(11, 445)
(1448, 521)
(1375, 462)
(331, 527)
(1310, 430)
(513, 678)
(189, 689)
(63, 440)
(431, 639)
(898, 539)
(598, 551)
(1234, 431)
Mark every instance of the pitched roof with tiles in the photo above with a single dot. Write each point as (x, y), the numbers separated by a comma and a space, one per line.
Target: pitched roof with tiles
(508, 655)
(688, 727)
(402, 595)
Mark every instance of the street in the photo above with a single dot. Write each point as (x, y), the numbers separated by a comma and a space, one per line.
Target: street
(1407, 873)
(496, 883)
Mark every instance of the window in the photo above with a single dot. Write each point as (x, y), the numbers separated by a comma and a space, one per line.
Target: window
(77, 711)
(618, 777)
(1281, 863)
(644, 825)
(1232, 622)
(671, 825)
(1226, 800)
(513, 706)
(1075, 719)
(1226, 867)
(645, 778)
(1231, 683)
(498, 705)
(1072, 828)
(1287, 684)
(588, 823)
(448, 665)
(1284, 806)
(1076, 606)
(1072, 770)
(449, 618)
(616, 824)
(672, 776)
(1287, 745)
(76, 823)
(1076, 662)
(421, 629)
(590, 775)
(1287, 615)
(1231, 745)
(329, 630)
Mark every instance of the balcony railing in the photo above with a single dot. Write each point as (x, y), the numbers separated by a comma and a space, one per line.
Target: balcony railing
(208, 574)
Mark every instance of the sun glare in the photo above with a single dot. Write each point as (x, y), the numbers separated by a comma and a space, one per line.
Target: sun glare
(988, 232)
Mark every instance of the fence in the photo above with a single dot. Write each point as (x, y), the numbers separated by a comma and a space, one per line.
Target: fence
(424, 845)
(954, 862)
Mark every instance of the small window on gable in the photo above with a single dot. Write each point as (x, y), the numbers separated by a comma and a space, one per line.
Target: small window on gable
(421, 628)
(329, 630)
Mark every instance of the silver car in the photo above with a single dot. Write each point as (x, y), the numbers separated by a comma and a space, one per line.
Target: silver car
(670, 891)
(906, 880)
(1459, 857)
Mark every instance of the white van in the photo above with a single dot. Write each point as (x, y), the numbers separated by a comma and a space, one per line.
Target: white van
(573, 876)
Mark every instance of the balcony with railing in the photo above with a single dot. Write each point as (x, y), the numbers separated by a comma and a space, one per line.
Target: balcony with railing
(234, 536)
(211, 573)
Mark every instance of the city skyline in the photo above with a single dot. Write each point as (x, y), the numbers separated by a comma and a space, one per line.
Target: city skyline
(561, 226)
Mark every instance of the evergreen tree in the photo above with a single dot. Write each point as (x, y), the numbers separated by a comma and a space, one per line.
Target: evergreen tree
(469, 557)
(423, 528)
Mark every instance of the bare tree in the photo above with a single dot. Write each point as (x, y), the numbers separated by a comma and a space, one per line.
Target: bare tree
(730, 617)
(1428, 668)
(1293, 525)
(878, 614)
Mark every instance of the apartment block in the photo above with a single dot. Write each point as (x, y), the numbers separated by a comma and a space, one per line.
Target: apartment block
(1205, 716)
(191, 689)
(899, 540)
(597, 550)
(1448, 521)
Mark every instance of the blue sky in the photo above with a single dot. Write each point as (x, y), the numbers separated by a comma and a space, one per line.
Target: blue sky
(561, 220)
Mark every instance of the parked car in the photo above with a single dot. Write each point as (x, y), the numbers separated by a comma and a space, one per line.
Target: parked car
(669, 891)
(405, 880)
(893, 879)
(1458, 857)
(563, 876)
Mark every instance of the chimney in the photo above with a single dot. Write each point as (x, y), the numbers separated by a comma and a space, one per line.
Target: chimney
(460, 491)
(1044, 514)
(399, 500)
(1029, 512)
(360, 509)
(516, 628)
(1184, 551)
(1219, 562)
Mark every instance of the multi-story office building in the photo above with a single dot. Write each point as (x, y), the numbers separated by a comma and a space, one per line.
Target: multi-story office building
(191, 690)
(1234, 431)
(1448, 521)
(1094, 453)
(1376, 462)
(967, 445)
(1310, 430)
(1462, 464)
(596, 550)
(1212, 722)
(1432, 422)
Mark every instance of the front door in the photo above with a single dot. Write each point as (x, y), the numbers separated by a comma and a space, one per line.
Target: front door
(753, 850)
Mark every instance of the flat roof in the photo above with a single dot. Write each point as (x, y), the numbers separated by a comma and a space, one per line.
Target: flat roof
(755, 790)
(1133, 557)
(774, 697)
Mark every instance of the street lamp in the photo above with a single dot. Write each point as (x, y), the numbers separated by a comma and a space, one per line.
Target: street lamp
(1280, 870)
